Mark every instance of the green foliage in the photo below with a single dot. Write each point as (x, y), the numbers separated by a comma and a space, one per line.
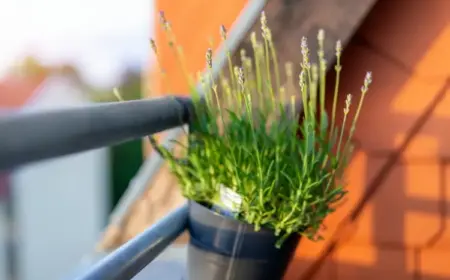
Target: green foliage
(247, 140)
(30, 67)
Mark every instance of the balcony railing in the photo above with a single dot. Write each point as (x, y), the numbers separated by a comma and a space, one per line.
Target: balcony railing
(31, 137)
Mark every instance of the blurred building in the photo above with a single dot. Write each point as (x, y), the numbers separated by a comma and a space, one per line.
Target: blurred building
(56, 208)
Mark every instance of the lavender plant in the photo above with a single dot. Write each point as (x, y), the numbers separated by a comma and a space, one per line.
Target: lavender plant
(286, 183)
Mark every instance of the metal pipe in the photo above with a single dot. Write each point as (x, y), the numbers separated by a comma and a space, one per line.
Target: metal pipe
(132, 257)
(29, 137)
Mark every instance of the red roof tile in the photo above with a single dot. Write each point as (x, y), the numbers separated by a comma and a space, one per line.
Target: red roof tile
(15, 91)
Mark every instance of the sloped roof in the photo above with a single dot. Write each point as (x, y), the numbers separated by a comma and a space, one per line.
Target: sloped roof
(16, 90)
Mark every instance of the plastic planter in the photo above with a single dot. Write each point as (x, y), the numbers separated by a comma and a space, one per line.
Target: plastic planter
(224, 248)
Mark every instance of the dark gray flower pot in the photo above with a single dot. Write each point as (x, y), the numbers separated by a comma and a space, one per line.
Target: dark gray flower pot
(222, 248)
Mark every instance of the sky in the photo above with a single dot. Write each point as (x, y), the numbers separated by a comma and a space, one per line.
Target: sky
(99, 36)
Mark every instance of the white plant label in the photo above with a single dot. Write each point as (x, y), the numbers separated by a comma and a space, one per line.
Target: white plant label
(230, 199)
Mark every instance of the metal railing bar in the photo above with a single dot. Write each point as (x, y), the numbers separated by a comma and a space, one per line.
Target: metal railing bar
(133, 256)
(28, 137)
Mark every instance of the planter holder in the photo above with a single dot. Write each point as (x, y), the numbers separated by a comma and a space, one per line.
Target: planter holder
(222, 248)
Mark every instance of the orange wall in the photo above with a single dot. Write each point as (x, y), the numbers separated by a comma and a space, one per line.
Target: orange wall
(403, 149)
(194, 22)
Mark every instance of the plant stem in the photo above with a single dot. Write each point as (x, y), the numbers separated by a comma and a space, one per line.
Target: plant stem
(275, 64)
(268, 72)
(230, 68)
(355, 120)
(340, 136)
